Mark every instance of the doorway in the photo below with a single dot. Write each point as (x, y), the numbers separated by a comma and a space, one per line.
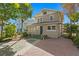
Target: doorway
(41, 30)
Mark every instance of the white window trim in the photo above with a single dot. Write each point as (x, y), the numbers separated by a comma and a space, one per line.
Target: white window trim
(51, 29)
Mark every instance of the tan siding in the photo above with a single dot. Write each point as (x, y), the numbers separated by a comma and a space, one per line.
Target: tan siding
(53, 33)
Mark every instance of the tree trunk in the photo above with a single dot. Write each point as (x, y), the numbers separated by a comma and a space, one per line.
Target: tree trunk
(70, 34)
(22, 25)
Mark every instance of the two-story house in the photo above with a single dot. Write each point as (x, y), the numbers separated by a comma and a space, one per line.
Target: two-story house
(49, 22)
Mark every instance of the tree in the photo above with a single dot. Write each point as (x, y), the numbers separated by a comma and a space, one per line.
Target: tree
(70, 9)
(7, 11)
(24, 12)
(14, 11)
(10, 30)
(74, 17)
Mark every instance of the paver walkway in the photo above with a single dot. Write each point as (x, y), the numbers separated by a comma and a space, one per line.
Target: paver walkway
(59, 47)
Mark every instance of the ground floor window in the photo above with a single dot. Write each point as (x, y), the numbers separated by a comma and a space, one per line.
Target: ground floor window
(51, 27)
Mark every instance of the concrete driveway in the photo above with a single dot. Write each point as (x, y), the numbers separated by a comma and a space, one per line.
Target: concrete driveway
(58, 47)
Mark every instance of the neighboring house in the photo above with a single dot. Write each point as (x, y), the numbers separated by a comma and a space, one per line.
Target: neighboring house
(49, 22)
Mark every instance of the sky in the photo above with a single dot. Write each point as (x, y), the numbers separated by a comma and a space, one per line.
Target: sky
(38, 6)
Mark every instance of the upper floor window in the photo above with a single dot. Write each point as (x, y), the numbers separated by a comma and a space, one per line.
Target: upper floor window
(51, 17)
(45, 13)
(41, 20)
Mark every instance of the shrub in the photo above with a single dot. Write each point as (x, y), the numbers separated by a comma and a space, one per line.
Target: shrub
(65, 35)
(24, 34)
(29, 35)
(10, 30)
(76, 41)
(44, 36)
(6, 40)
(36, 36)
(71, 28)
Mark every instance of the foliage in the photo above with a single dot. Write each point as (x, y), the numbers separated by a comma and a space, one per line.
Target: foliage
(70, 9)
(69, 30)
(66, 25)
(34, 36)
(6, 40)
(24, 12)
(13, 11)
(24, 34)
(73, 29)
(74, 17)
(7, 11)
(76, 41)
(37, 36)
(10, 30)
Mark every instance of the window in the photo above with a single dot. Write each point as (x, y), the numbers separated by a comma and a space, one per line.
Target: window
(51, 27)
(51, 17)
(40, 19)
